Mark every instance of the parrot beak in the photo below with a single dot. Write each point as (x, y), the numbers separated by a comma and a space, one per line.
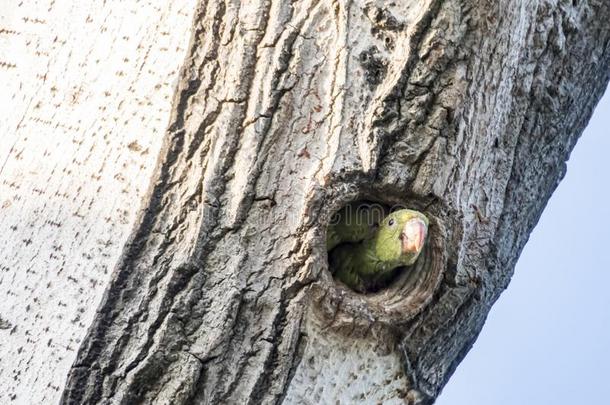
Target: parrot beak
(413, 236)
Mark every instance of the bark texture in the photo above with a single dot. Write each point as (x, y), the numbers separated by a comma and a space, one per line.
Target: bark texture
(86, 90)
(286, 111)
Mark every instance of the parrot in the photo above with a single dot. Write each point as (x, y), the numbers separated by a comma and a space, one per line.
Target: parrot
(365, 245)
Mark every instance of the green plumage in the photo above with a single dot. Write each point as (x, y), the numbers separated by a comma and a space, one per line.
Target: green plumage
(366, 243)
(354, 223)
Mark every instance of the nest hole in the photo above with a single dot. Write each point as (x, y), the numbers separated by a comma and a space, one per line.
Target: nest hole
(399, 296)
(360, 220)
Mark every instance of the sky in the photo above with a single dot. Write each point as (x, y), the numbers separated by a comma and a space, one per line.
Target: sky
(547, 339)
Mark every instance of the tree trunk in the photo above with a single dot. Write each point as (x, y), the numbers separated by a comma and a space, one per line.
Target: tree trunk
(86, 93)
(284, 112)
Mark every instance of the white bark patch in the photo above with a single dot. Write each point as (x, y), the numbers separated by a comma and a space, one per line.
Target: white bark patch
(86, 94)
(336, 369)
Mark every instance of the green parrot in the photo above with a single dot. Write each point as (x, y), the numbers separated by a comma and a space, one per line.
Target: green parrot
(366, 245)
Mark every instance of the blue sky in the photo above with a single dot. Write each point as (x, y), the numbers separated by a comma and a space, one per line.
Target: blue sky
(547, 339)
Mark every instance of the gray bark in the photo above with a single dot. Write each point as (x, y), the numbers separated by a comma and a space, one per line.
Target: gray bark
(284, 113)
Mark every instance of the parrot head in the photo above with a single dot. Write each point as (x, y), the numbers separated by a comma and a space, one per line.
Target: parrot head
(401, 237)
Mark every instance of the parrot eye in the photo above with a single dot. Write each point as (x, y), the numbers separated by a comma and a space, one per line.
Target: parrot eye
(391, 222)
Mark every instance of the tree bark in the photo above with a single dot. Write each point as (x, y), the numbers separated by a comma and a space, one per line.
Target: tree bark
(86, 91)
(283, 113)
